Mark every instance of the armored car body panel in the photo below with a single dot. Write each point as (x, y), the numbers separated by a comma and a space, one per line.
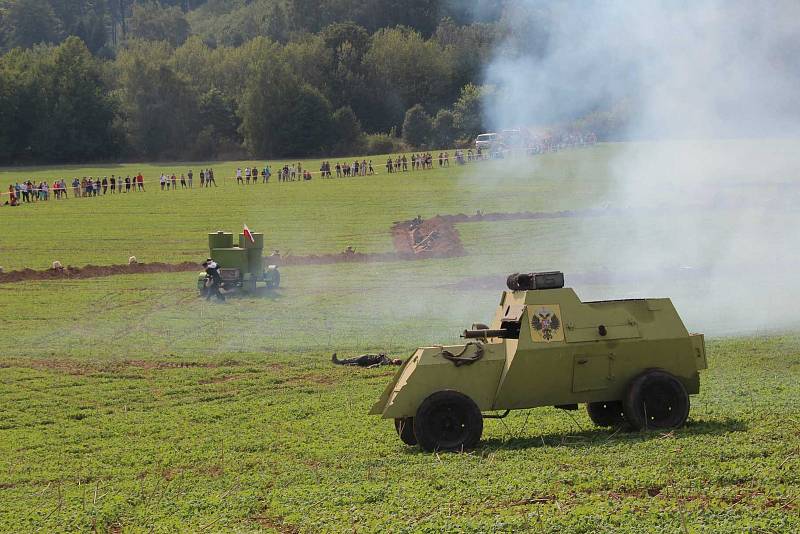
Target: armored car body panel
(545, 347)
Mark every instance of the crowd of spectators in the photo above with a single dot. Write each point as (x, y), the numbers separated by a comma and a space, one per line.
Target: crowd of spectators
(31, 191)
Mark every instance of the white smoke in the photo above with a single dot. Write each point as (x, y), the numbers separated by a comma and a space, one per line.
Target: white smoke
(691, 69)
(716, 85)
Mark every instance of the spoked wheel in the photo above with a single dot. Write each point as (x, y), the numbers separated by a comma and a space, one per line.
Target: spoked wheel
(405, 429)
(656, 400)
(448, 421)
(608, 413)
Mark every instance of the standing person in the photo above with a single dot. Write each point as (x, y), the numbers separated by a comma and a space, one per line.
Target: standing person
(202, 178)
(210, 177)
(162, 181)
(105, 184)
(212, 270)
(247, 174)
(239, 179)
(254, 169)
(174, 182)
(140, 181)
(190, 176)
(113, 184)
(183, 181)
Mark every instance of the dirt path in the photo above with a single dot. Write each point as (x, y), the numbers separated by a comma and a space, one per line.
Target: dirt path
(436, 237)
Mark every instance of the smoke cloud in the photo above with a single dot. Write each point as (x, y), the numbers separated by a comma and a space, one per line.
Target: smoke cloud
(709, 192)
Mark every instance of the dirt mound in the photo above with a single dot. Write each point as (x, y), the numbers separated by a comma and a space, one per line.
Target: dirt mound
(95, 271)
(436, 237)
(432, 238)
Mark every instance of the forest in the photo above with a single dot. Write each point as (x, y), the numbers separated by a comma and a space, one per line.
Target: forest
(95, 80)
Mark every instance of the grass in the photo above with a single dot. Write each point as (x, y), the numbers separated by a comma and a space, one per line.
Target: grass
(320, 216)
(130, 405)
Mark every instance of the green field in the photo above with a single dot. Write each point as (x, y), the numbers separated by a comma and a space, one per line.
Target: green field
(128, 404)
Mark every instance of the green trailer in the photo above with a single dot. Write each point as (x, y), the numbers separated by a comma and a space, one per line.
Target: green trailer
(242, 264)
(630, 361)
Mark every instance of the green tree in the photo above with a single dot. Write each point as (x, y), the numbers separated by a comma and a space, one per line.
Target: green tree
(417, 127)
(80, 112)
(468, 110)
(403, 69)
(160, 110)
(56, 105)
(468, 49)
(219, 112)
(444, 128)
(30, 22)
(310, 61)
(346, 134)
(152, 22)
(10, 136)
(337, 34)
(281, 115)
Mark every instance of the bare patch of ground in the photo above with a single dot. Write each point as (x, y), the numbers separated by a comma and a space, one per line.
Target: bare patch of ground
(436, 237)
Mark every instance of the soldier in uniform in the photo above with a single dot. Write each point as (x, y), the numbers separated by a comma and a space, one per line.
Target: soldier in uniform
(212, 270)
(367, 360)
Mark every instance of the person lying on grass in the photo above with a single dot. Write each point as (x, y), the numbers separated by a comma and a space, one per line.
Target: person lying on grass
(367, 360)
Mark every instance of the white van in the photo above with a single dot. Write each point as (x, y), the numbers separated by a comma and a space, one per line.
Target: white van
(485, 141)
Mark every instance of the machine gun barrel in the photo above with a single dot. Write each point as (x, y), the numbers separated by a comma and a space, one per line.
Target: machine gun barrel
(484, 333)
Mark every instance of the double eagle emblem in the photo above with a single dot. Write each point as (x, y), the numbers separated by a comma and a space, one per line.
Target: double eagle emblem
(546, 324)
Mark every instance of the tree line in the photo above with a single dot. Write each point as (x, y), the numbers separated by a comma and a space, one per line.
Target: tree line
(106, 79)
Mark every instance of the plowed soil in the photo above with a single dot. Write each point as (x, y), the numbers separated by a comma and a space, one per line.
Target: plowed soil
(432, 238)
(436, 237)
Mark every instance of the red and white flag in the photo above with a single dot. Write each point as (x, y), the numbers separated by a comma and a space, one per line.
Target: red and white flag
(248, 234)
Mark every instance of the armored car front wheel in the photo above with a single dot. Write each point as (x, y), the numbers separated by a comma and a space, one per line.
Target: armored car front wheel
(448, 421)
(405, 429)
(608, 413)
(656, 400)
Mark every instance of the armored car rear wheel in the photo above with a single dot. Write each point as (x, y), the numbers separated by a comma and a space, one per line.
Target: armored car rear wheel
(405, 429)
(448, 421)
(656, 400)
(608, 413)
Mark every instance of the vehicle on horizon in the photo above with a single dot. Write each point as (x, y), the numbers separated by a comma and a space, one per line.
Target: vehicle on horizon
(630, 361)
(241, 265)
(485, 141)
